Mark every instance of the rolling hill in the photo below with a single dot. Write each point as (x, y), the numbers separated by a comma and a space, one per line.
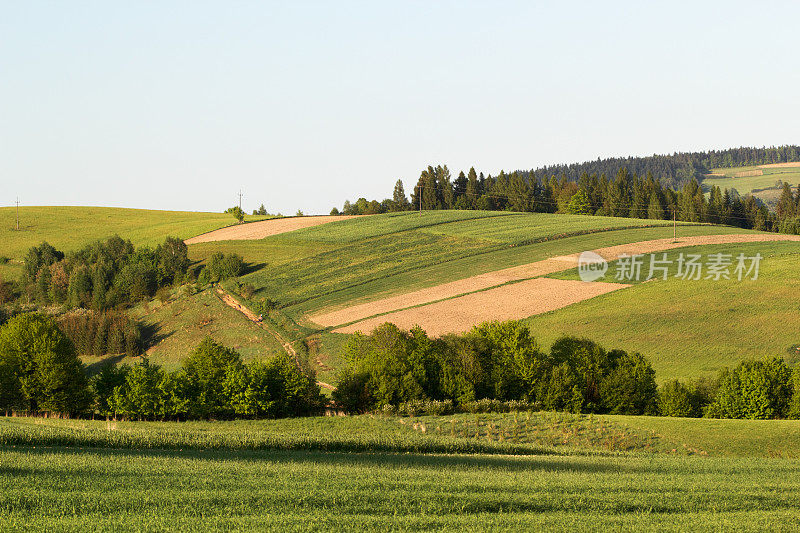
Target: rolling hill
(451, 268)
(762, 181)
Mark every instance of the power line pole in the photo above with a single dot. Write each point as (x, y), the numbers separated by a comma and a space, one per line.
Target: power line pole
(674, 226)
(240, 198)
(17, 213)
(420, 198)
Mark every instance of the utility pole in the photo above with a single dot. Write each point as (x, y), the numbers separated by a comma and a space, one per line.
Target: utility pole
(420, 198)
(674, 226)
(17, 213)
(240, 198)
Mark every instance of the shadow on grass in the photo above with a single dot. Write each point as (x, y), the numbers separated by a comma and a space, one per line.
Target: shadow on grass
(109, 360)
(504, 463)
(152, 334)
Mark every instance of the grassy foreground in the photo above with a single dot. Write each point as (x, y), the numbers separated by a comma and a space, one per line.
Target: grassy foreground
(95, 482)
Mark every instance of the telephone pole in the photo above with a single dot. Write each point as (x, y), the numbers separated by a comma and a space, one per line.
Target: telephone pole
(674, 226)
(17, 213)
(240, 198)
(420, 198)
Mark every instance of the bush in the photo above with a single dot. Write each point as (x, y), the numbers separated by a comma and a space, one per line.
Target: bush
(221, 267)
(675, 399)
(754, 390)
(354, 392)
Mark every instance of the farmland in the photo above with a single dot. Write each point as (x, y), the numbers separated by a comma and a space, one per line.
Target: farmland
(211, 476)
(691, 328)
(363, 261)
(760, 180)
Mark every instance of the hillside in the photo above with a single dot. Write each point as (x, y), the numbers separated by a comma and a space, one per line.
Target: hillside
(414, 267)
(762, 181)
(70, 228)
(447, 270)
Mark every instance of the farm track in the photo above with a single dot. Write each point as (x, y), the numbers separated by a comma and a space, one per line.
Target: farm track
(424, 306)
(229, 300)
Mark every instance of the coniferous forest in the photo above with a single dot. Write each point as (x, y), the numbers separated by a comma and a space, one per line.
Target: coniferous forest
(658, 187)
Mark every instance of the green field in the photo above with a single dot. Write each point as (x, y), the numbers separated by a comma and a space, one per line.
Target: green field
(763, 186)
(176, 327)
(71, 228)
(685, 329)
(693, 328)
(298, 475)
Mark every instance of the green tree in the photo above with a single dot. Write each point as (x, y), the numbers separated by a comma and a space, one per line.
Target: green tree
(48, 376)
(237, 212)
(630, 387)
(204, 371)
(579, 204)
(676, 399)
(754, 389)
(173, 260)
(399, 197)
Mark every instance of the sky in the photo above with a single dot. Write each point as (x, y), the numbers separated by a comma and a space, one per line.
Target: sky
(301, 105)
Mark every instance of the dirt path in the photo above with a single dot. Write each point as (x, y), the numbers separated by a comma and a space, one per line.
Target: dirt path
(523, 272)
(263, 228)
(232, 302)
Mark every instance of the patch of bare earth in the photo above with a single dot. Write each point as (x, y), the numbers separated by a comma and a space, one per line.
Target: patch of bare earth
(781, 165)
(460, 288)
(264, 228)
(517, 300)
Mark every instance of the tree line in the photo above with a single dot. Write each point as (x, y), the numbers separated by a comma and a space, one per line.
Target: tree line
(112, 273)
(496, 365)
(105, 274)
(40, 372)
(500, 362)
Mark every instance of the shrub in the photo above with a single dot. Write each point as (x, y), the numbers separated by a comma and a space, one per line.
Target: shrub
(247, 290)
(754, 389)
(675, 399)
(354, 392)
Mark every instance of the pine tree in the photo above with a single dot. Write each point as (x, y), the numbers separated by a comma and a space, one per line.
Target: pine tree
(473, 189)
(787, 206)
(655, 210)
(399, 196)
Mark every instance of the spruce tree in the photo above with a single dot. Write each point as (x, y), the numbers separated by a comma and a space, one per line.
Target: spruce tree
(399, 197)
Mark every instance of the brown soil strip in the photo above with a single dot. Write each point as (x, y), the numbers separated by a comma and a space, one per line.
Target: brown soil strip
(263, 228)
(781, 165)
(531, 270)
(514, 301)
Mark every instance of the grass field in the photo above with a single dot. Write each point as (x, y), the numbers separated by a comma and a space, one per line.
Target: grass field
(70, 228)
(693, 328)
(360, 260)
(762, 186)
(295, 475)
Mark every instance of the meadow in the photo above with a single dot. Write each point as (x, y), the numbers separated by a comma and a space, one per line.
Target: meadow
(690, 328)
(79, 475)
(762, 186)
(71, 228)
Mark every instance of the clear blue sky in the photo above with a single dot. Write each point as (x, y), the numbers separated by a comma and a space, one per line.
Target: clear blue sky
(175, 105)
